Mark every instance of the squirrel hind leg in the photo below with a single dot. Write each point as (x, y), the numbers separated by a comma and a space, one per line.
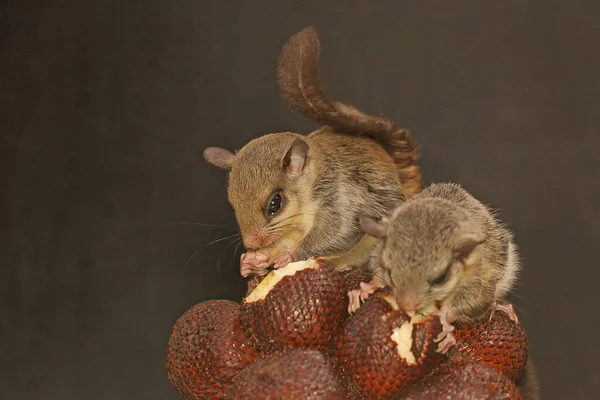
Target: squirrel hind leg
(445, 339)
(362, 293)
(507, 308)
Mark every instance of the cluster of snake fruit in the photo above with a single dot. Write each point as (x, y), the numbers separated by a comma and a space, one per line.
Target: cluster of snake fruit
(292, 338)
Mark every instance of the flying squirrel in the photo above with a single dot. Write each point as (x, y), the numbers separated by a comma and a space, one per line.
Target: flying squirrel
(298, 196)
(442, 252)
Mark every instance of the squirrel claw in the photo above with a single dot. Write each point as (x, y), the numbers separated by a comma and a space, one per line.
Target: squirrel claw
(445, 339)
(252, 283)
(354, 297)
(245, 267)
(446, 343)
(283, 259)
(360, 295)
(507, 308)
(253, 263)
(346, 268)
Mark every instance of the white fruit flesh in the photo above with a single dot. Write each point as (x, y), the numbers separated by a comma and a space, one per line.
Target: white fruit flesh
(392, 301)
(402, 336)
(264, 287)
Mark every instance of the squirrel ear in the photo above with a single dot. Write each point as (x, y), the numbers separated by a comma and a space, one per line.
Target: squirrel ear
(295, 158)
(219, 157)
(467, 245)
(372, 227)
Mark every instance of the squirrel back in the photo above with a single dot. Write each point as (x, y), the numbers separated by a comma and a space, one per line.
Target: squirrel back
(500, 245)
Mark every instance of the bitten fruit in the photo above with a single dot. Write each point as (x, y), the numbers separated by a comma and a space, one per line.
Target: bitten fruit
(500, 343)
(207, 348)
(462, 380)
(382, 350)
(353, 277)
(300, 305)
(297, 374)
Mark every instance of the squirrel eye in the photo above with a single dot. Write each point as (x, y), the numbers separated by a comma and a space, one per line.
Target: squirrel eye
(442, 277)
(274, 204)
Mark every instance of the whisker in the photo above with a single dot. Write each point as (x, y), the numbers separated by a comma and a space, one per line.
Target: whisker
(235, 252)
(282, 224)
(280, 229)
(205, 246)
(274, 229)
(191, 257)
(521, 311)
(307, 212)
(234, 240)
(275, 233)
(530, 287)
(294, 215)
(207, 225)
(513, 294)
(221, 239)
(237, 247)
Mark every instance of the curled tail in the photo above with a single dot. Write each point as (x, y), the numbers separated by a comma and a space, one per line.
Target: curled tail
(298, 79)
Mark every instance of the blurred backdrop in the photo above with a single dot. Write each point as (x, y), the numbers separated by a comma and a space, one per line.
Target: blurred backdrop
(108, 207)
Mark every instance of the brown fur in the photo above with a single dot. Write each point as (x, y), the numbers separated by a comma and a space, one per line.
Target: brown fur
(343, 176)
(299, 83)
(445, 226)
(355, 163)
(528, 383)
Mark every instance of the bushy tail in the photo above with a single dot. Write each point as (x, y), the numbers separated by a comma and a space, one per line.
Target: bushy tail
(299, 83)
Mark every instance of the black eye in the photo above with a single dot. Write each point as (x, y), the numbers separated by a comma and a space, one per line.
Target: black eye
(441, 278)
(274, 205)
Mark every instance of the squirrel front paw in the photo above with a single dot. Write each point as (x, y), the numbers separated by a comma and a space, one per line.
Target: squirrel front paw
(257, 262)
(283, 259)
(253, 263)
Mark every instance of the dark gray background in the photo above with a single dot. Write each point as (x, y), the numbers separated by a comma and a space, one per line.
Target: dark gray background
(106, 107)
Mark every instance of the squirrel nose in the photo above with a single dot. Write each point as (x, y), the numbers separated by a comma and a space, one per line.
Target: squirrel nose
(252, 242)
(408, 301)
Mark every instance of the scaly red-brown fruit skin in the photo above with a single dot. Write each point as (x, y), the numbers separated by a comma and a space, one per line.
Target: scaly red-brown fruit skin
(207, 348)
(369, 357)
(500, 343)
(296, 374)
(302, 310)
(353, 277)
(463, 380)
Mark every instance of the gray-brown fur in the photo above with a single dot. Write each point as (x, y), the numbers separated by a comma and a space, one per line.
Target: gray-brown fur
(300, 86)
(528, 383)
(444, 225)
(355, 162)
(352, 175)
(341, 177)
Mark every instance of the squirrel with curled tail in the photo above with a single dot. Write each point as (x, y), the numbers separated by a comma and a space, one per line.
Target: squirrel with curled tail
(297, 196)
